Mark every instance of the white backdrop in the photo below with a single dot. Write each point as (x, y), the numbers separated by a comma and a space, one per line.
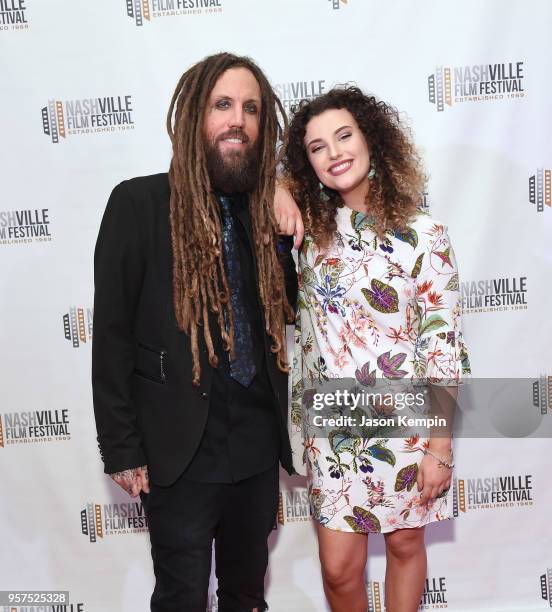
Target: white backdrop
(481, 146)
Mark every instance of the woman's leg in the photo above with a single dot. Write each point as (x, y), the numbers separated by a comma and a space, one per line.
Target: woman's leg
(343, 559)
(406, 569)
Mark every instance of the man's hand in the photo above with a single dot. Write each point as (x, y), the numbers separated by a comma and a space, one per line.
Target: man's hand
(133, 481)
(288, 215)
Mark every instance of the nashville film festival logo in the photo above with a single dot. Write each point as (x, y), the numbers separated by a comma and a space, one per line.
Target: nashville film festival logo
(492, 492)
(540, 189)
(34, 426)
(542, 394)
(98, 520)
(424, 201)
(375, 590)
(546, 586)
(435, 594)
(67, 607)
(13, 15)
(477, 83)
(77, 325)
(293, 506)
(87, 116)
(433, 597)
(336, 4)
(24, 226)
(494, 294)
(141, 10)
(292, 93)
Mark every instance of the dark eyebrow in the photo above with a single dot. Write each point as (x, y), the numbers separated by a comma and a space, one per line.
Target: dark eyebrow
(320, 139)
(220, 97)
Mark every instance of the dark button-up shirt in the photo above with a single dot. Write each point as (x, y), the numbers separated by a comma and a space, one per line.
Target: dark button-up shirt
(242, 436)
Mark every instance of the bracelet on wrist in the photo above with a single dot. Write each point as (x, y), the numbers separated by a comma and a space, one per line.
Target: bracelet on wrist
(442, 462)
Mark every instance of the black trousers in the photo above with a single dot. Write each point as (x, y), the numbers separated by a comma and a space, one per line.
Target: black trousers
(186, 517)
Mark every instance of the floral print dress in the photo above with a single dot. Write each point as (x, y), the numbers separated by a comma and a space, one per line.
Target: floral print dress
(371, 308)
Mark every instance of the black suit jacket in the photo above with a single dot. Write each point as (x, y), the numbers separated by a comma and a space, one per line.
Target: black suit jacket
(147, 410)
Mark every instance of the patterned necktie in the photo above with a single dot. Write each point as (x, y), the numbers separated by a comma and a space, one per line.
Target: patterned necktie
(242, 368)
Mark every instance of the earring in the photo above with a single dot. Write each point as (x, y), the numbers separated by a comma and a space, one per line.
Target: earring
(323, 193)
(372, 172)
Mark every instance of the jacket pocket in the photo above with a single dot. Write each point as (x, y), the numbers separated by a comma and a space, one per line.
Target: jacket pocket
(150, 363)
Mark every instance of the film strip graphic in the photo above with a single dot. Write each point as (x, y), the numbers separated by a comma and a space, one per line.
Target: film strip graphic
(336, 3)
(546, 586)
(458, 497)
(53, 121)
(542, 393)
(540, 189)
(75, 328)
(138, 10)
(280, 508)
(375, 592)
(91, 522)
(440, 87)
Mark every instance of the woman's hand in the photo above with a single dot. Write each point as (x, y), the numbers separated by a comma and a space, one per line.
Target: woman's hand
(434, 478)
(288, 215)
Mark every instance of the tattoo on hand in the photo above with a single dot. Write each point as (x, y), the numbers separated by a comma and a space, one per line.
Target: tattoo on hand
(127, 475)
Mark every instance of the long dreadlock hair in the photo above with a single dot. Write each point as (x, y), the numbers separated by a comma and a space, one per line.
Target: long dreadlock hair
(199, 279)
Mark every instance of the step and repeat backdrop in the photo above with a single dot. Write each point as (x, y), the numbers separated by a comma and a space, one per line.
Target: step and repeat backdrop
(83, 96)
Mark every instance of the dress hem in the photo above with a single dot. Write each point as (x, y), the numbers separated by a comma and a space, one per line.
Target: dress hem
(383, 532)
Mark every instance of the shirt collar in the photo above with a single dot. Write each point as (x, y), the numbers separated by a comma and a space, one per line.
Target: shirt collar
(237, 200)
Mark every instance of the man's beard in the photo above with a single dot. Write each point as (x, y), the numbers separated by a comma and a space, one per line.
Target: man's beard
(235, 171)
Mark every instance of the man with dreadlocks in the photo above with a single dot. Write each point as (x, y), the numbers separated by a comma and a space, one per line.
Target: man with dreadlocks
(192, 292)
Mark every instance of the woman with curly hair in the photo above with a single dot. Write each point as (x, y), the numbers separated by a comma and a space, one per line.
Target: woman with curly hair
(378, 300)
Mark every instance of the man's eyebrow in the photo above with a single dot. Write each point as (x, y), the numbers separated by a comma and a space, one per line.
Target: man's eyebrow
(336, 131)
(227, 97)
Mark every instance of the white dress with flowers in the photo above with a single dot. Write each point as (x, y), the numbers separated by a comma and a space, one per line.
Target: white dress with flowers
(371, 308)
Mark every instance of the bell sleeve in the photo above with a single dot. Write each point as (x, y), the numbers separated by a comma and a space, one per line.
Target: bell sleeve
(442, 355)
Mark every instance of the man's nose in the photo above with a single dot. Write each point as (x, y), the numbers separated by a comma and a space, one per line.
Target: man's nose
(237, 119)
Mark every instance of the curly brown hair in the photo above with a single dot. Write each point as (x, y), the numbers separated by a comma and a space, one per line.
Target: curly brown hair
(199, 278)
(394, 192)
